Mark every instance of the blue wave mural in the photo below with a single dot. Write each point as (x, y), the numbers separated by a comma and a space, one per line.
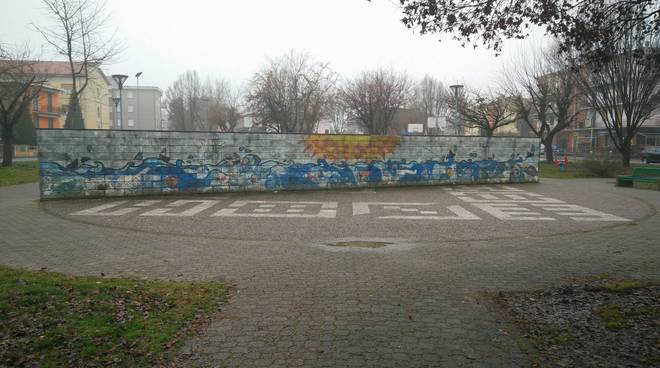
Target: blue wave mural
(246, 170)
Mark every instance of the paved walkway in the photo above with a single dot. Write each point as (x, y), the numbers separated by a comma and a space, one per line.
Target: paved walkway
(296, 302)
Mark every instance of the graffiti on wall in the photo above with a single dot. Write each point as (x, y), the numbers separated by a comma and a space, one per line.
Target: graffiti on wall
(350, 147)
(358, 161)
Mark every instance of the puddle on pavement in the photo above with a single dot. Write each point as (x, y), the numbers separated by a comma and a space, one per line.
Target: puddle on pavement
(366, 245)
(360, 244)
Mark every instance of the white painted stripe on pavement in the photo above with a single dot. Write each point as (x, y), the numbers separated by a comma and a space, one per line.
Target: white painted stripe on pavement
(201, 206)
(102, 210)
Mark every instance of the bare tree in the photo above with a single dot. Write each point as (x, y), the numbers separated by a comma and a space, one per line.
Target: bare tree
(340, 114)
(545, 95)
(624, 91)
(430, 96)
(184, 103)
(587, 26)
(374, 97)
(290, 94)
(196, 106)
(79, 33)
(19, 85)
(224, 107)
(486, 111)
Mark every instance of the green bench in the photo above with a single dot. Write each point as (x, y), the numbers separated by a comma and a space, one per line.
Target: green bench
(642, 177)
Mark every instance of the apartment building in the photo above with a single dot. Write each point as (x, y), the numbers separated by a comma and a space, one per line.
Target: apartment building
(46, 108)
(140, 108)
(93, 99)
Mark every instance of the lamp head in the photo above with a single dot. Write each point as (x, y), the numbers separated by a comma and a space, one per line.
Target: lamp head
(456, 87)
(138, 75)
(120, 79)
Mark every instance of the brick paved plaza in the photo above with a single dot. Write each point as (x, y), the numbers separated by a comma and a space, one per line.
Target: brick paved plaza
(298, 301)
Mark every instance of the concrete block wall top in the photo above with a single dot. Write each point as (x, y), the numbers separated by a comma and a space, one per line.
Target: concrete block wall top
(83, 163)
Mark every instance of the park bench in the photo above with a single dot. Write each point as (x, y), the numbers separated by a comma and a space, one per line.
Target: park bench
(642, 177)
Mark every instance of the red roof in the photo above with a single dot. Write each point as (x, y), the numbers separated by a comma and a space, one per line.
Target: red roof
(57, 68)
(53, 67)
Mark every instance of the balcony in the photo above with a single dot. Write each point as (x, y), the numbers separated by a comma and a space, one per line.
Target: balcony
(55, 111)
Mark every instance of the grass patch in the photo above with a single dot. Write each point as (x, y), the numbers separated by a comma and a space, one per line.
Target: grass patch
(623, 286)
(612, 316)
(563, 338)
(573, 170)
(552, 336)
(585, 169)
(19, 173)
(54, 320)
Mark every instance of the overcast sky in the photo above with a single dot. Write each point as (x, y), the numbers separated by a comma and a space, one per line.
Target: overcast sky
(232, 39)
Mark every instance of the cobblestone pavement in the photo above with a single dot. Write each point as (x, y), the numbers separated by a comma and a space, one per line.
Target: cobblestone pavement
(299, 304)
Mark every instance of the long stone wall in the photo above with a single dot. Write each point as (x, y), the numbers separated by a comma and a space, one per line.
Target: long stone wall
(97, 163)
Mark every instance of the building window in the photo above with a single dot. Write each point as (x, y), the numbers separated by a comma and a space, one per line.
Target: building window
(131, 122)
(50, 102)
(50, 123)
(35, 103)
(415, 128)
(129, 94)
(130, 108)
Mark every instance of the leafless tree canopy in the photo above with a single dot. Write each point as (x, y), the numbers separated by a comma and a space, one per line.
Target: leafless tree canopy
(80, 33)
(290, 94)
(431, 97)
(224, 105)
(339, 114)
(374, 97)
(544, 94)
(19, 84)
(588, 26)
(184, 102)
(209, 106)
(625, 90)
(486, 111)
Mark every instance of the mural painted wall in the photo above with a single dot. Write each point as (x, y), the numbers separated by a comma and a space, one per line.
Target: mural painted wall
(94, 163)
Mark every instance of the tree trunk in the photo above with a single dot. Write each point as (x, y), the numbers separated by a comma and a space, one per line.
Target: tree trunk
(7, 145)
(549, 154)
(74, 118)
(625, 157)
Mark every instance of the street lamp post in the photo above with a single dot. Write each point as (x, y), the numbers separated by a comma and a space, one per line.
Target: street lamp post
(120, 79)
(457, 88)
(137, 76)
(116, 101)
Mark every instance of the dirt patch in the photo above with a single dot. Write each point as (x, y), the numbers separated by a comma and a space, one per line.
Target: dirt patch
(596, 323)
